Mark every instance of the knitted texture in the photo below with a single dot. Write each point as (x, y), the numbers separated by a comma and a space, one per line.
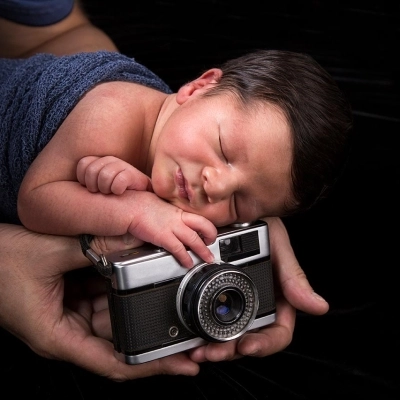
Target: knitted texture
(35, 12)
(37, 94)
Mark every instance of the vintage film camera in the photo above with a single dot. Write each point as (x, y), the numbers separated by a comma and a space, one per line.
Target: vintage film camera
(158, 307)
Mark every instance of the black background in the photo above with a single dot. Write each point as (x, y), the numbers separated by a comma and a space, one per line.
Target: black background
(348, 245)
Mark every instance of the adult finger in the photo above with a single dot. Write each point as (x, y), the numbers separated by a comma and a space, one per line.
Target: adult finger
(97, 355)
(289, 275)
(258, 343)
(101, 324)
(215, 352)
(271, 338)
(68, 254)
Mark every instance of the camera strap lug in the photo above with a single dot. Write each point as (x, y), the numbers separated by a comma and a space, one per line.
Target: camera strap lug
(99, 261)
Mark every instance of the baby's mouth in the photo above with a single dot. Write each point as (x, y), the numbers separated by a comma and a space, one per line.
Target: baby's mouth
(181, 183)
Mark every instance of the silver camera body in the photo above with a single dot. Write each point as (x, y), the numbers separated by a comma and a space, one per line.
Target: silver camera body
(158, 308)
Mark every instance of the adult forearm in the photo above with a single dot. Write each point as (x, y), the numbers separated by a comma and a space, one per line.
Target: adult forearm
(71, 35)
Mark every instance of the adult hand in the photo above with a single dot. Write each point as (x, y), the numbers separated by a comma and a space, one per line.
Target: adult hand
(293, 291)
(32, 306)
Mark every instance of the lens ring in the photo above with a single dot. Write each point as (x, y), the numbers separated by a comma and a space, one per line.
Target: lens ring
(196, 296)
(218, 329)
(183, 296)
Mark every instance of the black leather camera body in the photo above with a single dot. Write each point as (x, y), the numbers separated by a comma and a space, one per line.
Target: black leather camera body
(158, 307)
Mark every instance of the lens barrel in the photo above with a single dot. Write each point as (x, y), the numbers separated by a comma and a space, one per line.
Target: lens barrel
(218, 302)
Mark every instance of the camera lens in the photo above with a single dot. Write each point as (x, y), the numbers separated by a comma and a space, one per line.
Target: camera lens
(218, 302)
(228, 306)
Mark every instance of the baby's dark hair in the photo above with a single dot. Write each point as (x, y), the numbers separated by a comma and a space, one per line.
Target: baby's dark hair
(319, 116)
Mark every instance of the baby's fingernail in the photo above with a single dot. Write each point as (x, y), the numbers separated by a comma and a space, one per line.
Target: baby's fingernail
(187, 265)
(128, 238)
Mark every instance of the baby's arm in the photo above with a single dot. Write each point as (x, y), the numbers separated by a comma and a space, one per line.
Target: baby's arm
(51, 200)
(113, 176)
(140, 213)
(110, 175)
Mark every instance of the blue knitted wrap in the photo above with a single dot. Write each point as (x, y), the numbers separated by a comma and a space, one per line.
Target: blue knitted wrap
(37, 94)
(35, 12)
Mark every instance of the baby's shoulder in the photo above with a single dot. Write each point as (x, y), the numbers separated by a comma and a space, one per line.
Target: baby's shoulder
(112, 114)
(117, 92)
(122, 99)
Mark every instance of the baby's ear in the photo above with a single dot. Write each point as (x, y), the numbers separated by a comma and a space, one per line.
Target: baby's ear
(199, 85)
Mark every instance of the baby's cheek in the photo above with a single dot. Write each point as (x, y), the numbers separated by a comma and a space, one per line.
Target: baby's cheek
(219, 214)
(160, 185)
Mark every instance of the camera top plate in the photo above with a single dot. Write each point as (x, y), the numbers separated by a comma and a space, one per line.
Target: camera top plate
(148, 264)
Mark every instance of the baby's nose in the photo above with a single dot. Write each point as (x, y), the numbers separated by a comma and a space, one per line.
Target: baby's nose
(218, 185)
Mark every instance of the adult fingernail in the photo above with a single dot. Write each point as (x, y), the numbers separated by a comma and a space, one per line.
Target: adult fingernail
(318, 297)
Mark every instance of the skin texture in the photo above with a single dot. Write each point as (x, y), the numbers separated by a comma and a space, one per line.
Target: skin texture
(235, 160)
(197, 148)
(59, 310)
(203, 161)
(55, 315)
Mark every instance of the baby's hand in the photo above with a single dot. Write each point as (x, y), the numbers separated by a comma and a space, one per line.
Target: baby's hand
(169, 227)
(110, 175)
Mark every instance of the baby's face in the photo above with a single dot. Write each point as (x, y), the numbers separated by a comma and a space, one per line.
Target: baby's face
(224, 162)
